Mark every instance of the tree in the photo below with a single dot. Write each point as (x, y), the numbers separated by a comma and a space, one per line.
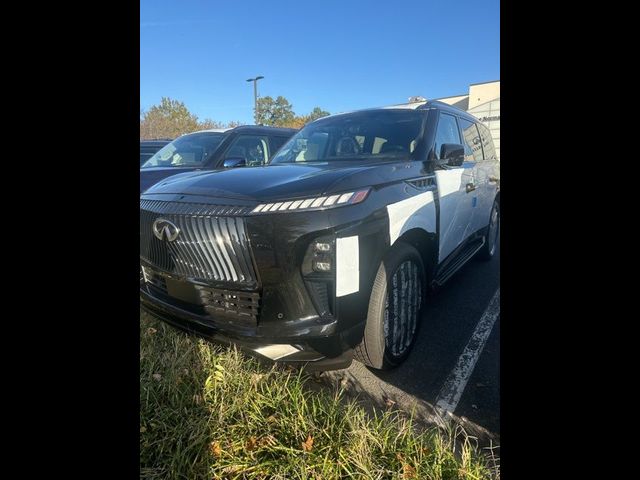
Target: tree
(315, 114)
(170, 119)
(302, 120)
(276, 113)
(208, 124)
(297, 122)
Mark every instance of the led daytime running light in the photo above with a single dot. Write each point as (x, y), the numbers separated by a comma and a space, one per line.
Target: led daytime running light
(330, 201)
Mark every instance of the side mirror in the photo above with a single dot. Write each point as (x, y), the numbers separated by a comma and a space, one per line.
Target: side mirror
(234, 162)
(451, 154)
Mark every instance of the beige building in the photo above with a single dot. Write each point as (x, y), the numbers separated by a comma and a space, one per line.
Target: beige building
(483, 102)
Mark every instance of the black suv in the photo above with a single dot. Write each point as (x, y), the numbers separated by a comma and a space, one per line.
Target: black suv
(328, 251)
(247, 145)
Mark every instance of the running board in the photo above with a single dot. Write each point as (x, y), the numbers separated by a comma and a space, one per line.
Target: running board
(461, 259)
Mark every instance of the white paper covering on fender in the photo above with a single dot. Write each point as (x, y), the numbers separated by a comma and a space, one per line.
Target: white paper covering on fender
(347, 266)
(418, 211)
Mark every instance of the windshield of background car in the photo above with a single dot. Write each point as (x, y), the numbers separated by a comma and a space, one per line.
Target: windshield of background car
(374, 135)
(188, 151)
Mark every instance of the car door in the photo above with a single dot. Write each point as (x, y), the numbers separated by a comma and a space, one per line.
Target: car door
(453, 181)
(473, 160)
(486, 178)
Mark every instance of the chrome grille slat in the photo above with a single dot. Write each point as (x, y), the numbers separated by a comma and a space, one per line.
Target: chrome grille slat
(235, 239)
(197, 250)
(180, 264)
(233, 255)
(185, 244)
(221, 240)
(244, 247)
(202, 234)
(212, 245)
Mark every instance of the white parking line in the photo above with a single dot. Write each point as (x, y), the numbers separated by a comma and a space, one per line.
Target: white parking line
(452, 389)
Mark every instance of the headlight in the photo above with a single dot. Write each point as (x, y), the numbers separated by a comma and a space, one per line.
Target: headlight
(315, 203)
(318, 271)
(323, 257)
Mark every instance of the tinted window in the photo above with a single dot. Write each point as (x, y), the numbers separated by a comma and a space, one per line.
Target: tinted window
(186, 151)
(277, 142)
(144, 157)
(254, 149)
(472, 145)
(310, 149)
(487, 143)
(447, 132)
(378, 134)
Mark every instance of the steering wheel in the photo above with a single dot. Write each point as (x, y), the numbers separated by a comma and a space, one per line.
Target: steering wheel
(347, 146)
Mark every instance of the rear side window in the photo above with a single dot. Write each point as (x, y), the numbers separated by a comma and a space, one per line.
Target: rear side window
(487, 143)
(447, 132)
(472, 144)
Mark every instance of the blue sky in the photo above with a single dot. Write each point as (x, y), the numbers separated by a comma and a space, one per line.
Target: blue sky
(338, 55)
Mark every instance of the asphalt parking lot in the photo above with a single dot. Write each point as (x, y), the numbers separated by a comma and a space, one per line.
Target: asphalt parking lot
(455, 364)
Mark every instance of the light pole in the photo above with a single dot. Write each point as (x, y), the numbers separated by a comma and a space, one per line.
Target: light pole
(255, 96)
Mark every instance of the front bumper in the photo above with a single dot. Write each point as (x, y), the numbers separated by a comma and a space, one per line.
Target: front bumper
(277, 307)
(314, 343)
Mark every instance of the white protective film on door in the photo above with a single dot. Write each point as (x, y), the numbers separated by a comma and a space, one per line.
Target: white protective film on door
(455, 207)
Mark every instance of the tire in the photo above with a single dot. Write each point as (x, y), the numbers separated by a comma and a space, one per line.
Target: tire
(382, 350)
(493, 233)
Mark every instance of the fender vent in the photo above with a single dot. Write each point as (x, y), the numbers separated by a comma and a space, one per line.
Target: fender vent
(423, 183)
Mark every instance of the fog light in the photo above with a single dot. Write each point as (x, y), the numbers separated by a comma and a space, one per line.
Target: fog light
(323, 247)
(321, 266)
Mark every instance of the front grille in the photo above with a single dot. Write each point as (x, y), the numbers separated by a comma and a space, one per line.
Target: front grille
(212, 244)
(240, 305)
(241, 308)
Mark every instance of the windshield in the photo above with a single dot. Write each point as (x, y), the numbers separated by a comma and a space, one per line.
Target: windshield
(188, 151)
(374, 135)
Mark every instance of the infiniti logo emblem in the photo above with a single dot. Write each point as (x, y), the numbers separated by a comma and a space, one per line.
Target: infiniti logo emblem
(164, 229)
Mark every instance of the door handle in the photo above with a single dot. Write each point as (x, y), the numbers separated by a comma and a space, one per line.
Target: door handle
(470, 187)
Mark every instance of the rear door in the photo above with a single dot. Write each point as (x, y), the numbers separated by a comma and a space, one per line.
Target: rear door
(455, 202)
(486, 179)
(473, 160)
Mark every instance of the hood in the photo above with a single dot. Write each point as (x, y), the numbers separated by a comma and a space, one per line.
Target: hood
(266, 183)
(151, 176)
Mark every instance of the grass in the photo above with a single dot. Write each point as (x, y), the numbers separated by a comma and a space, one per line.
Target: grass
(211, 412)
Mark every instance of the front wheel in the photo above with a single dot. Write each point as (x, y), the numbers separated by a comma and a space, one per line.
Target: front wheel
(394, 309)
(493, 231)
